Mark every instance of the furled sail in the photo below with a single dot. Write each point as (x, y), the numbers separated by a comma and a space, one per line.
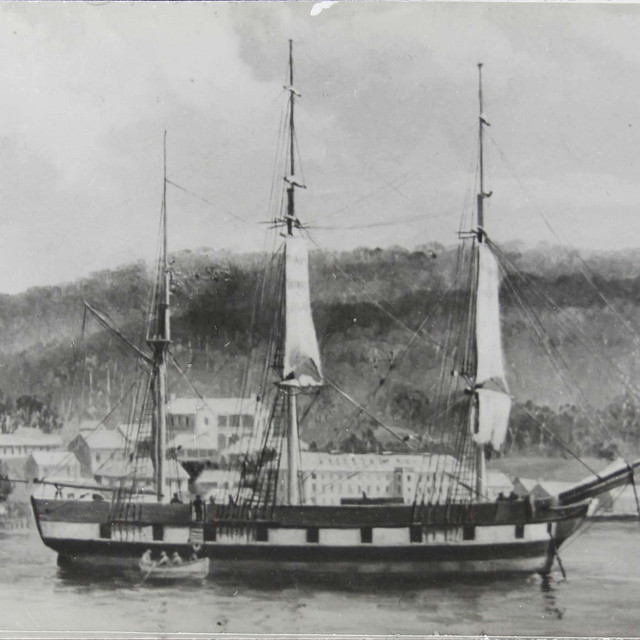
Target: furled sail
(489, 424)
(492, 417)
(490, 363)
(301, 354)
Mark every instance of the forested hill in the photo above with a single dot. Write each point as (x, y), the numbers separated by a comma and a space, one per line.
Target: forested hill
(366, 304)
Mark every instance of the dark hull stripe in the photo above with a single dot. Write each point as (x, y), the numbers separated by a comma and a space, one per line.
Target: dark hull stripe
(481, 514)
(322, 554)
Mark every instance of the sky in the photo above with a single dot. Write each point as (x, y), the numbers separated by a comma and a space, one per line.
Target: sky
(386, 126)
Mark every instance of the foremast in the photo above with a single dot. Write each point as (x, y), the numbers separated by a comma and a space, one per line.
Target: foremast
(159, 339)
(301, 359)
(491, 403)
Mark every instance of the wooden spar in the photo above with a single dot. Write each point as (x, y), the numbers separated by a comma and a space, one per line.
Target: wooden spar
(293, 446)
(292, 166)
(481, 122)
(481, 467)
(293, 496)
(71, 485)
(159, 339)
(591, 488)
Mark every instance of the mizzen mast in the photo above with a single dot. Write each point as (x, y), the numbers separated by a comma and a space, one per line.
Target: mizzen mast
(159, 339)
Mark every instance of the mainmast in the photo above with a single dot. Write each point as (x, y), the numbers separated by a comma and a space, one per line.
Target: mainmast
(293, 444)
(159, 339)
(481, 465)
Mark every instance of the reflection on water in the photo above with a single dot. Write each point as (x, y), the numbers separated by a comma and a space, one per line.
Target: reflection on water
(598, 597)
(549, 595)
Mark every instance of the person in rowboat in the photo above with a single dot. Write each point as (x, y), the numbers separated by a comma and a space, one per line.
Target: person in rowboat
(175, 558)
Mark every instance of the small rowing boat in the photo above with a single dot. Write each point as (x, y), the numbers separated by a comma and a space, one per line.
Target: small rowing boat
(192, 569)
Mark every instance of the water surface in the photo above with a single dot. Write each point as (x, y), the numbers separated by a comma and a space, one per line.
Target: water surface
(600, 596)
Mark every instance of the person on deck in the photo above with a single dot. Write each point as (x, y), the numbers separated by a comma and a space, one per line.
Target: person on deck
(198, 504)
(176, 499)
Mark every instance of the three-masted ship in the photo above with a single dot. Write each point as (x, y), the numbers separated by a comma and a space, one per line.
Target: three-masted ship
(269, 524)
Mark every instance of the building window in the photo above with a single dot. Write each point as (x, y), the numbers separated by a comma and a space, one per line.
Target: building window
(247, 421)
(415, 533)
(313, 534)
(234, 420)
(519, 531)
(105, 530)
(206, 421)
(366, 535)
(158, 532)
(262, 533)
(469, 532)
(222, 421)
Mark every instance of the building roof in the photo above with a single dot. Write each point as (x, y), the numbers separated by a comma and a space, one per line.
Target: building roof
(54, 458)
(135, 431)
(498, 479)
(553, 488)
(218, 475)
(190, 406)
(528, 484)
(25, 436)
(323, 461)
(103, 438)
(140, 470)
(191, 441)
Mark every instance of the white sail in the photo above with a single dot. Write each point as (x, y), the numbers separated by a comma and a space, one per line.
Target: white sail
(490, 364)
(489, 425)
(492, 419)
(301, 354)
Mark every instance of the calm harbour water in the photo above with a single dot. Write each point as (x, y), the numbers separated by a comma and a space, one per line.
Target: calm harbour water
(599, 597)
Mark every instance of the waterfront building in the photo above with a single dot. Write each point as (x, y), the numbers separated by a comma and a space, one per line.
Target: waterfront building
(223, 419)
(139, 474)
(53, 465)
(98, 446)
(24, 441)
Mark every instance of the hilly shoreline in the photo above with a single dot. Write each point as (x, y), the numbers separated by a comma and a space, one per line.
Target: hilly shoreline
(366, 302)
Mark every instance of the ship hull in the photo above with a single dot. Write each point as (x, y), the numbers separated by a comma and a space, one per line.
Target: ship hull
(242, 559)
(493, 539)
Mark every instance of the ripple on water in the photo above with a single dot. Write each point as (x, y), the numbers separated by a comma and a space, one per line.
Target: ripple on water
(599, 597)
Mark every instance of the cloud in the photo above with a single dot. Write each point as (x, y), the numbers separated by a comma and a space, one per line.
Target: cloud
(386, 126)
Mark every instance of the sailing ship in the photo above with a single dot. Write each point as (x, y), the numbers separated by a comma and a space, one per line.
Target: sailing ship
(450, 526)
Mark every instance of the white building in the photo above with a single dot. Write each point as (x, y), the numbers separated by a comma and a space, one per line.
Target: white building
(97, 447)
(52, 465)
(217, 484)
(190, 447)
(222, 419)
(329, 478)
(25, 441)
(140, 475)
